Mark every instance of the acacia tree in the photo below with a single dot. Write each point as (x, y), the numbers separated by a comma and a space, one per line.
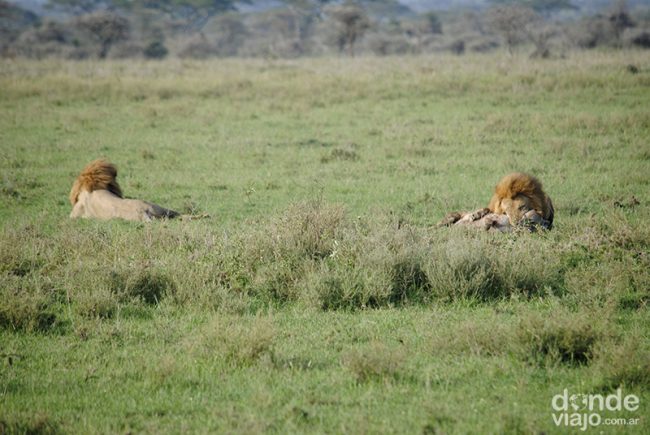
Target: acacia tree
(351, 21)
(78, 7)
(544, 7)
(422, 28)
(195, 13)
(106, 28)
(540, 34)
(510, 22)
(13, 21)
(619, 19)
(230, 32)
(303, 15)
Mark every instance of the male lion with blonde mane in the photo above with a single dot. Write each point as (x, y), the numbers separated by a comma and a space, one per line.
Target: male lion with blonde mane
(517, 195)
(519, 201)
(96, 194)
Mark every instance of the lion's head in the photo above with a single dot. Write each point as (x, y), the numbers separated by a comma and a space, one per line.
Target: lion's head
(97, 175)
(517, 194)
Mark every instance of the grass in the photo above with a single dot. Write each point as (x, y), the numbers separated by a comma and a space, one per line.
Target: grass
(320, 296)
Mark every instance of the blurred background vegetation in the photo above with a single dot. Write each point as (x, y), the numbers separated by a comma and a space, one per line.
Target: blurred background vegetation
(200, 29)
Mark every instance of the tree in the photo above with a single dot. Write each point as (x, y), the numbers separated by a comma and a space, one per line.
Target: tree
(422, 28)
(106, 28)
(78, 7)
(540, 34)
(304, 15)
(195, 13)
(13, 21)
(352, 22)
(510, 23)
(541, 6)
(230, 32)
(619, 18)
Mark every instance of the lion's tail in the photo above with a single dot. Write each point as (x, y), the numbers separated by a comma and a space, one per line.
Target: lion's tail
(98, 175)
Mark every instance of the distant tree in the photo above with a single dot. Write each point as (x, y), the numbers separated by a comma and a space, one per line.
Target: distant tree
(642, 40)
(540, 34)
(230, 33)
(510, 22)
(78, 7)
(195, 13)
(304, 14)
(106, 28)
(422, 28)
(620, 19)
(541, 6)
(432, 23)
(155, 50)
(13, 21)
(352, 22)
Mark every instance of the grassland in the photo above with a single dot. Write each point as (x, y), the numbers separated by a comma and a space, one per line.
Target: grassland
(319, 296)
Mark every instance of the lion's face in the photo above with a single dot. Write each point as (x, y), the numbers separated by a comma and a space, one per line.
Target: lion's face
(516, 208)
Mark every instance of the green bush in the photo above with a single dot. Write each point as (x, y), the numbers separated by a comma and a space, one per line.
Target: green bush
(559, 337)
(27, 305)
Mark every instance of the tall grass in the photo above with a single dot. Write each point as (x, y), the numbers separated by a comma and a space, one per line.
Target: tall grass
(312, 254)
(319, 296)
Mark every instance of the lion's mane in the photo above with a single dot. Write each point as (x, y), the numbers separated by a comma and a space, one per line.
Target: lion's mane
(97, 175)
(517, 185)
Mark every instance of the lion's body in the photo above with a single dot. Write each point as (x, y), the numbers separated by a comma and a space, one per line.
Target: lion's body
(480, 219)
(96, 194)
(519, 193)
(484, 219)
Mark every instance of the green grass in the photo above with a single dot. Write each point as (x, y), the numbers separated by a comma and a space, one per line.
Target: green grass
(319, 296)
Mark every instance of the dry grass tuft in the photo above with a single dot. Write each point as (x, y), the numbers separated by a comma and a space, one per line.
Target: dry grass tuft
(375, 361)
(239, 343)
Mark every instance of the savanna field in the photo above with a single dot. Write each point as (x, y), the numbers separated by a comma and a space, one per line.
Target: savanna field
(320, 296)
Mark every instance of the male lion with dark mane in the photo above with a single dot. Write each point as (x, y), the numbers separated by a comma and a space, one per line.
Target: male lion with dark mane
(519, 201)
(96, 194)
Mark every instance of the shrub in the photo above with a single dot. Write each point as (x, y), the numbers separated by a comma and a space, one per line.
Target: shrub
(273, 259)
(95, 302)
(642, 40)
(466, 271)
(486, 335)
(53, 39)
(239, 344)
(26, 305)
(374, 361)
(155, 50)
(145, 285)
(345, 287)
(409, 281)
(126, 50)
(105, 28)
(37, 424)
(560, 336)
(198, 47)
(626, 365)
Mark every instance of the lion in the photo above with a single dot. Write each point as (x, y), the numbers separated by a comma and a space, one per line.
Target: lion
(96, 194)
(484, 219)
(517, 194)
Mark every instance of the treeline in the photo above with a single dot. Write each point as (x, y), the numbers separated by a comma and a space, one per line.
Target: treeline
(81, 29)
